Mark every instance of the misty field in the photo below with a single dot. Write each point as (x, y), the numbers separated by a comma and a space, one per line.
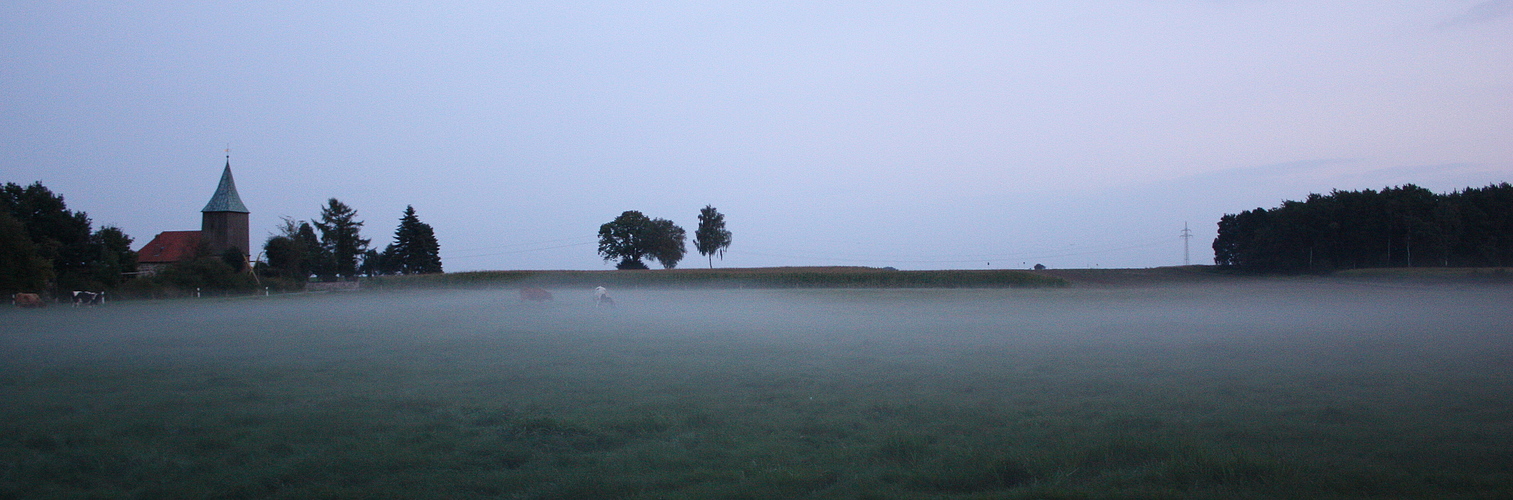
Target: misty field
(1282, 388)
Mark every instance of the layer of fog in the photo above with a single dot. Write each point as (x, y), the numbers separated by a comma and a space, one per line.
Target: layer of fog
(1284, 323)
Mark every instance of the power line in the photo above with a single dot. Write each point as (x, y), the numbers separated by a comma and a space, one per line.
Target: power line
(826, 256)
(520, 251)
(524, 244)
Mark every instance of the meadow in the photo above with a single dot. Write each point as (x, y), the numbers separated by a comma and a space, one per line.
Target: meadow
(1255, 388)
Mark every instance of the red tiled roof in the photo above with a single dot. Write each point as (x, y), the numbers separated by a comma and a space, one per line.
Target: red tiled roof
(169, 246)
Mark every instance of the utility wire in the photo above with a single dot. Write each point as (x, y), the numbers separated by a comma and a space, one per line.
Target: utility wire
(976, 257)
(520, 251)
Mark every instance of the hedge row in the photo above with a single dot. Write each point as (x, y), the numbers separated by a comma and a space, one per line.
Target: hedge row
(837, 277)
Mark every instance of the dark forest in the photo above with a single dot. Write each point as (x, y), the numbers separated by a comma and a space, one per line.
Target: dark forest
(1406, 226)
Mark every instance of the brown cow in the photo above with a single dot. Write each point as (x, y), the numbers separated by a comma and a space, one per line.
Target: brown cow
(28, 300)
(534, 294)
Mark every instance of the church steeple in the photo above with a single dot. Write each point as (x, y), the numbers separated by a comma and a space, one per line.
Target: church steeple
(225, 198)
(223, 221)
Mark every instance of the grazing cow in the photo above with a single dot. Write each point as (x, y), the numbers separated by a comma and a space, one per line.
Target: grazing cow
(534, 294)
(88, 298)
(28, 300)
(601, 298)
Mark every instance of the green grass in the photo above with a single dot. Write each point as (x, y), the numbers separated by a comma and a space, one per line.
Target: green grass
(1256, 391)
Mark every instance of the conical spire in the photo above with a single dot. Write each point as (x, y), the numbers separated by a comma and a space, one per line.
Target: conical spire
(225, 198)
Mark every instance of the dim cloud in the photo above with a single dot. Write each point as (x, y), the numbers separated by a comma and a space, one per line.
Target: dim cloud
(1489, 11)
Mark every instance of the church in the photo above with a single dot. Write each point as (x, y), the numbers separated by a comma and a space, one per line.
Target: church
(223, 226)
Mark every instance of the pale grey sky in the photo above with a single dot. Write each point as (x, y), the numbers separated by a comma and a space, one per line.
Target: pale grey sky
(915, 135)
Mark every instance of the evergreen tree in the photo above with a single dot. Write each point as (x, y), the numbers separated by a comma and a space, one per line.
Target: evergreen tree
(414, 250)
(1405, 226)
(711, 238)
(340, 238)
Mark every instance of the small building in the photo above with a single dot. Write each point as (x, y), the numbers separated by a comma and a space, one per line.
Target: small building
(223, 226)
(165, 249)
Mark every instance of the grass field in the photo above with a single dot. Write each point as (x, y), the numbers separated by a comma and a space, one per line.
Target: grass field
(1257, 388)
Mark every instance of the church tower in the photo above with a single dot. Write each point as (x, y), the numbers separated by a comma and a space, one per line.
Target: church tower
(223, 222)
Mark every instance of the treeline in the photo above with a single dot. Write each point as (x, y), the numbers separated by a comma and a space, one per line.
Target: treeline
(296, 254)
(45, 247)
(326, 248)
(1406, 226)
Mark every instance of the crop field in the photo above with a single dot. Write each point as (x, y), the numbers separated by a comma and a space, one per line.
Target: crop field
(1267, 388)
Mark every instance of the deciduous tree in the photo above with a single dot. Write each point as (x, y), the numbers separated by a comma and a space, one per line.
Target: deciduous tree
(286, 252)
(711, 238)
(667, 242)
(633, 236)
(114, 259)
(22, 269)
(60, 236)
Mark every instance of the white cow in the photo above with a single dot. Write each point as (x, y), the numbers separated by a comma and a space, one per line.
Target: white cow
(601, 298)
(88, 298)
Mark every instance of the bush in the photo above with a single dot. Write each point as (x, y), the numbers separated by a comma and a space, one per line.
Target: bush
(207, 275)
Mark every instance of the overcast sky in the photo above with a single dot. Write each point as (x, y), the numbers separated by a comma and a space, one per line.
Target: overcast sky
(915, 135)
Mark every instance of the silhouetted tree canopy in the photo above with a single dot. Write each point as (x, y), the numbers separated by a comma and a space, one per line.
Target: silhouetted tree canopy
(317, 259)
(22, 269)
(414, 250)
(73, 256)
(286, 258)
(115, 257)
(373, 263)
(341, 239)
(711, 237)
(633, 236)
(667, 242)
(1406, 226)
